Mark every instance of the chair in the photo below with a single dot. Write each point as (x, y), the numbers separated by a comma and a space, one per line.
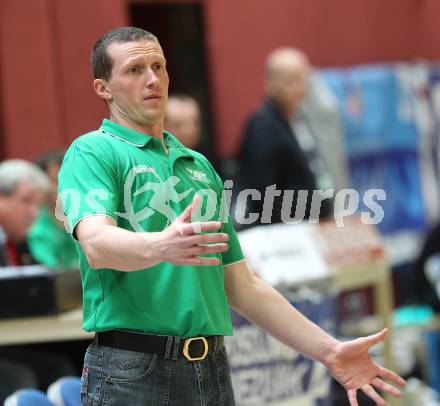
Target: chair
(28, 397)
(65, 391)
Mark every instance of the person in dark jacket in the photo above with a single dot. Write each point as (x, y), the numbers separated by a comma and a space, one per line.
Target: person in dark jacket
(422, 290)
(272, 156)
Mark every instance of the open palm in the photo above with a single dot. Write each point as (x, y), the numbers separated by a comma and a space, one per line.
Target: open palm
(351, 365)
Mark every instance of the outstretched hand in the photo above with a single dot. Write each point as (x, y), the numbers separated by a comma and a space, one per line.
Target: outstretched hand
(351, 365)
(184, 241)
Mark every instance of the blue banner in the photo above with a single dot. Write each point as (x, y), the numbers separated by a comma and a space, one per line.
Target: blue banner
(266, 372)
(381, 142)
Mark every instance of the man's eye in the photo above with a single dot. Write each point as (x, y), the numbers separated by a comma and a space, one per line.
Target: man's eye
(158, 66)
(135, 69)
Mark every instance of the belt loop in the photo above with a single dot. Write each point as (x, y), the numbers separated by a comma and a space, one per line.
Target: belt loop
(168, 347)
(96, 338)
(176, 348)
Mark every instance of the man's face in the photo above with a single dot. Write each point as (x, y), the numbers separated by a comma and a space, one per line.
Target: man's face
(138, 86)
(183, 121)
(19, 209)
(292, 85)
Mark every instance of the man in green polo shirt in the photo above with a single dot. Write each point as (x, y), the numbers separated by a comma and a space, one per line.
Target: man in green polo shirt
(159, 258)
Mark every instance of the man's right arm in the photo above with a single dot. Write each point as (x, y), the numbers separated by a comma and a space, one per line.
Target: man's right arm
(182, 243)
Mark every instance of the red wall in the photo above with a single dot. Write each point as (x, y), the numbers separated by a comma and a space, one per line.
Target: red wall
(46, 93)
(31, 114)
(429, 30)
(79, 24)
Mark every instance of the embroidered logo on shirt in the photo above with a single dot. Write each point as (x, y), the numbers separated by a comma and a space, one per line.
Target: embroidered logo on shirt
(197, 175)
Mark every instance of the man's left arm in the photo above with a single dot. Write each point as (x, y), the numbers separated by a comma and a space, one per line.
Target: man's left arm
(349, 362)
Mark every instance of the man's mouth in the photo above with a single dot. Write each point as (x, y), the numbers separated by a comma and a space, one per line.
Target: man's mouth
(153, 97)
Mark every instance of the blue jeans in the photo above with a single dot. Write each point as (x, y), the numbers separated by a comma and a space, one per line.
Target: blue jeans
(116, 377)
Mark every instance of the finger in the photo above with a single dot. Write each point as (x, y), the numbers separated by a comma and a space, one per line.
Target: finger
(370, 392)
(207, 238)
(186, 214)
(200, 227)
(377, 338)
(195, 205)
(189, 211)
(179, 227)
(207, 249)
(379, 384)
(197, 229)
(198, 261)
(392, 376)
(207, 261)
(352, 398)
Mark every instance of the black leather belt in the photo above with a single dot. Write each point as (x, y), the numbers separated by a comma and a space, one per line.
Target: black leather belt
(193, 349)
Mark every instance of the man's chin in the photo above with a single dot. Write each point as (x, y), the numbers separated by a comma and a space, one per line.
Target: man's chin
(153, 117)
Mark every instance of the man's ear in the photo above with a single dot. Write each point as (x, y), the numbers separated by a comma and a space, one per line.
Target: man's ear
(100, 86)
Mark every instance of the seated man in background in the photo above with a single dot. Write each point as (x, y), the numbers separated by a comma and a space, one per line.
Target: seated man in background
(183, 120)
(23, 188)
(48, 241)
(22, 191)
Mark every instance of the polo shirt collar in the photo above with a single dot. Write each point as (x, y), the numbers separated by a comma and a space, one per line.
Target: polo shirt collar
(171, 141)
(175, 147)
(128, 135)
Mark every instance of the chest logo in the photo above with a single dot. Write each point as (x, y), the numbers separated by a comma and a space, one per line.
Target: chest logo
(163, 194)
(197, 175)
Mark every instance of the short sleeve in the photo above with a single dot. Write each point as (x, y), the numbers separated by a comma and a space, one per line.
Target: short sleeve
(87, 185)
(234, 253)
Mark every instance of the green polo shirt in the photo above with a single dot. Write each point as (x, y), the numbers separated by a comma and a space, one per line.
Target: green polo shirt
(50, 244)
(127, 175)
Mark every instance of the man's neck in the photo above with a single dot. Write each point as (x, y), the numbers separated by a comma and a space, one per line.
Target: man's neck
(289, 112)
(154, 130)
(285, 114)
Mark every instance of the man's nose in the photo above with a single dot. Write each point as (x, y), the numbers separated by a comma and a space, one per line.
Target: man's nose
(152, 79)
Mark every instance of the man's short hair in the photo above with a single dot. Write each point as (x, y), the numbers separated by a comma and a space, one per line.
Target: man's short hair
(101, 61)
(15, 171)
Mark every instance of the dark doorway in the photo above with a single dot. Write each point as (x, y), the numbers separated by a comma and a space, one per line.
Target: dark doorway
(179, 28)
